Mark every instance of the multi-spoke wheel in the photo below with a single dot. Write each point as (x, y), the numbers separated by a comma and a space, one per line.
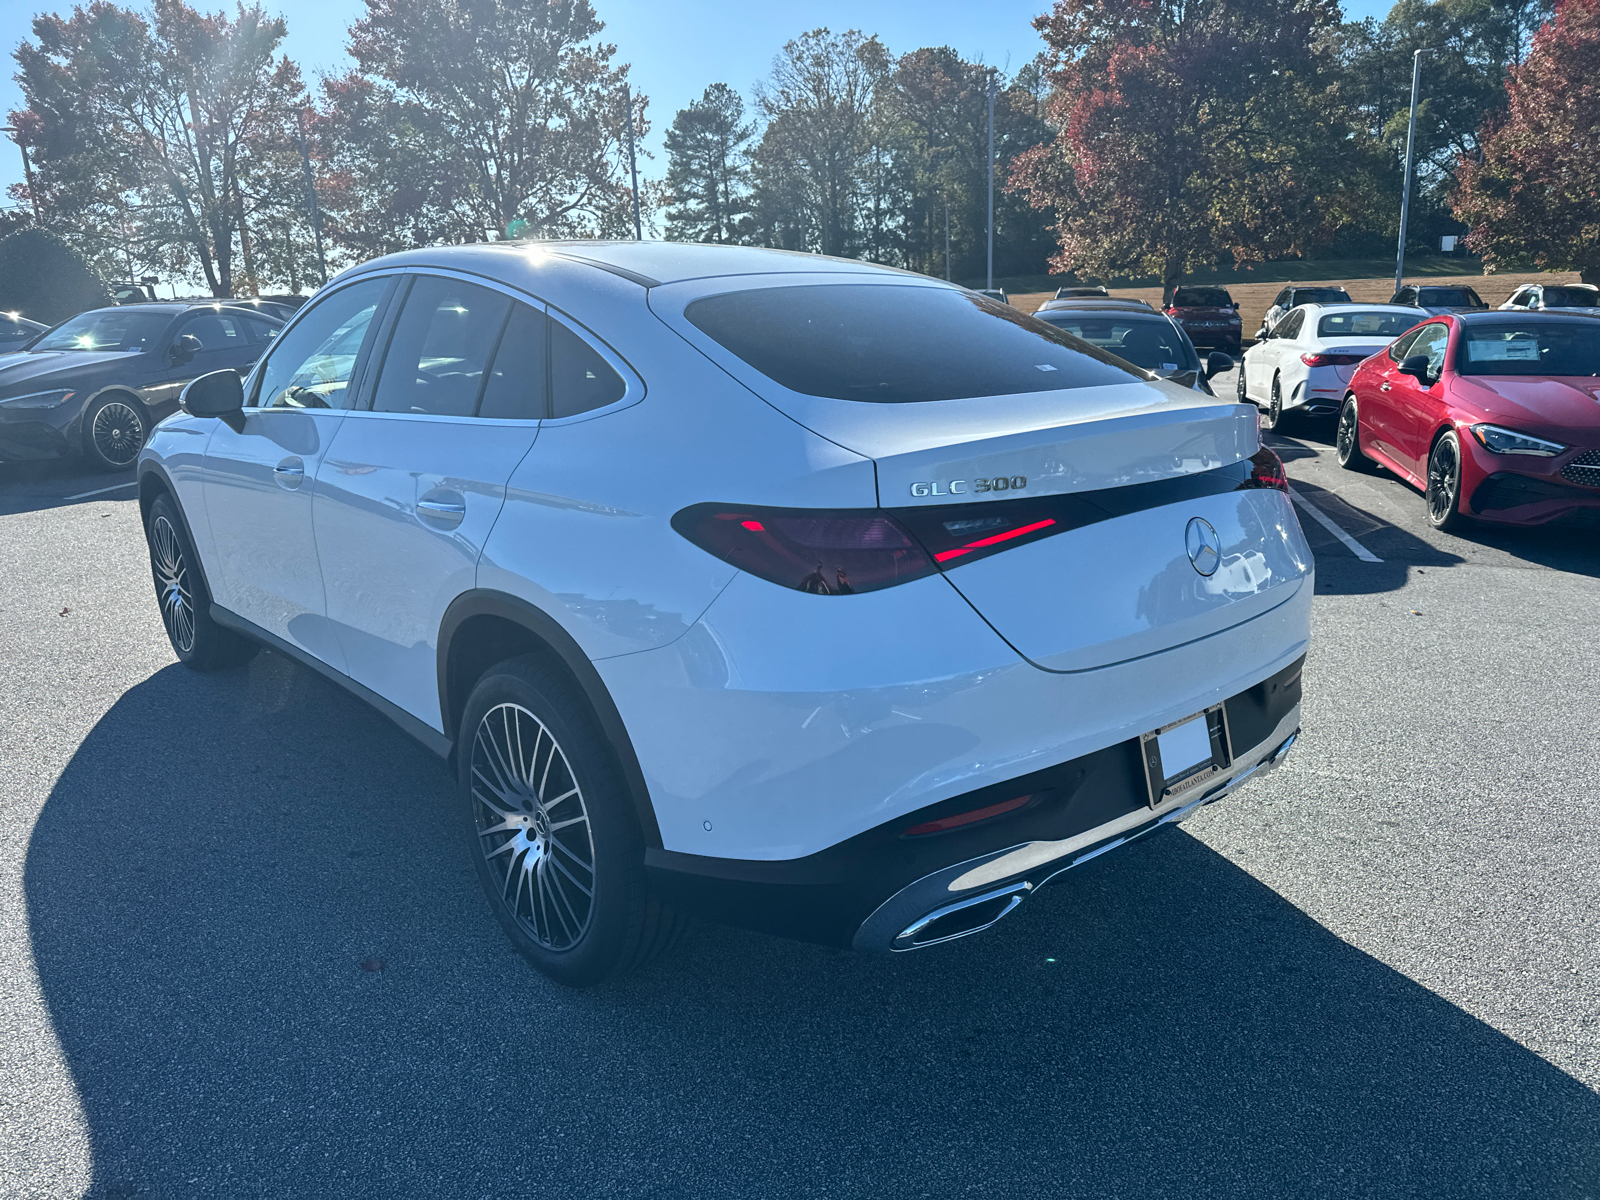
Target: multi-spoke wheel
(114, 430)
(533, 827)
(1444, 483)
(555, 835)
(1347, 438)
(1273, 417)
(197, 640)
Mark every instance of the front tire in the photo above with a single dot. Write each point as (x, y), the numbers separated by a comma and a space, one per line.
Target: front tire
(114, 431)
(554, 837)
(1239, 388)
(1444, 484)
(198, 641)
(1347, 439)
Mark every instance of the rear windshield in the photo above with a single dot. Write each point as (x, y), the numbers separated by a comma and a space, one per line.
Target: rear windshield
(1151, 343)
(893, 345)
(1448, 297)
(1365, 325)
(1320, 295)
(1201, 298)
(1571, 297)
(1530, 348)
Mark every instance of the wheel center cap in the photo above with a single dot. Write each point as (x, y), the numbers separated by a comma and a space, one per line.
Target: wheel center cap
(541, 824)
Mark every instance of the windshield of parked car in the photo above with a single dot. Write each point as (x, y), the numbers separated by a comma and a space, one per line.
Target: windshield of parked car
(111, 329)
(1152, 343)
(891, 345)
(1530, 348)
(1383, 325)
(1571, 297)
(1448, 297)
(1320, 295)
(1201, 298)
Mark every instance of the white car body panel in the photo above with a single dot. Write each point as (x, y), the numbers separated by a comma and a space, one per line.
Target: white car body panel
(1301, 384)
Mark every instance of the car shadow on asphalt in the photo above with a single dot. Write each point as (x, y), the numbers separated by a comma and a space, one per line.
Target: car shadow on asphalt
(32, 486)
(271, 973)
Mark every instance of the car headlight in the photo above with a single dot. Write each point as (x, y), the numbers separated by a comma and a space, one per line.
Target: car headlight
(1509, 441)
(39, 399)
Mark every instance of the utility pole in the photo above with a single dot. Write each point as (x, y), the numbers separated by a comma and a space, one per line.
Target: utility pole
(311, 196)
(1405, 191)
(633, 165)
(992, 78)
(947, 239)
(27, 168)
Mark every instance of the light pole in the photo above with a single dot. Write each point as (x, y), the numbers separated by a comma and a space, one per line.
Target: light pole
(992, 78)
(633, 166)
(27, 168)
(1405, 191)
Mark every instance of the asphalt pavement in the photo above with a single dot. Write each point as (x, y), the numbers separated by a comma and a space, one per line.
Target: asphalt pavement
(243, 952)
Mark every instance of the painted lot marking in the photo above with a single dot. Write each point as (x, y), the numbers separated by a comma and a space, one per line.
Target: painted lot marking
(102, 491)
(1329, 524)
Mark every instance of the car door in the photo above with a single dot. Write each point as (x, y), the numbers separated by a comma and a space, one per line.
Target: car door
(259, 478)
(1376, 397)
(1417, 404)
(416, 477)
(221, 341)
(1269, 354)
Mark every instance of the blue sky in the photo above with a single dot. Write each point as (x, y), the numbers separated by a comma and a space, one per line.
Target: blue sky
(670, 43)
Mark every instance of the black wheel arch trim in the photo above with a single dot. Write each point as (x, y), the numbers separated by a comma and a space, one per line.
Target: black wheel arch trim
(488, 602)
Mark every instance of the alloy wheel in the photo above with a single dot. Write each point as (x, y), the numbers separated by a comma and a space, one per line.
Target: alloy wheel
(118, 433)
(1444, 480)
(1347, 439)
(172, 582)
(533, 826)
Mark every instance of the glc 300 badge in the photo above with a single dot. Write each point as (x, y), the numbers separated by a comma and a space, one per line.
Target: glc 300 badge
(958, 487)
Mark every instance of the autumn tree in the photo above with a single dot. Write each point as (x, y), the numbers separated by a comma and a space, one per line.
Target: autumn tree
(1192, 131)
(708, 168)
(473, 119)
(159, 140)
(1534, 196)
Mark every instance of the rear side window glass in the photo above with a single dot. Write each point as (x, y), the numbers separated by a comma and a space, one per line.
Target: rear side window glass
(580, 380)
(216, 331)
(1571, 297)
(893, 345)
(516, 384)
(261, 331)
(1290, 328)
(310, 366)
(440, 348)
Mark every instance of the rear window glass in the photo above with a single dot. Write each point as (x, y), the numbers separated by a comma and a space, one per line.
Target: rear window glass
(1443, 297)
(1320, 295)
(1201, 298)
(1571, 297)
(1152, 343)
(894, 345)
(1365, 324)
(1542, 348)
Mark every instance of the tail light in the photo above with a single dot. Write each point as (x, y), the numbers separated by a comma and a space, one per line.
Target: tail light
(829, 553)
(1266, 471)
(945, 824)
(1332, 360)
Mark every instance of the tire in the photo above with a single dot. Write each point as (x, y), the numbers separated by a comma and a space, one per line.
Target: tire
(1273, 416)
(552, 830)
(1244, 396)
(1347, 439)
(1443, 493)
(198, 641)
(114, 431)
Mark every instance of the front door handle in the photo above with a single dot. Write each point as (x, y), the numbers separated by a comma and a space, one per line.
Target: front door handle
(1383, 387)
(439, 510)
(290, 473)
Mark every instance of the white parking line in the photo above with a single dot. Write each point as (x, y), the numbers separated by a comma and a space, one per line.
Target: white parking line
(1327, 523)
(102, 491)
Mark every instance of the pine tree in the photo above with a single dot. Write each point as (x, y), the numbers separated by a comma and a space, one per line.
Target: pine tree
(708, 169)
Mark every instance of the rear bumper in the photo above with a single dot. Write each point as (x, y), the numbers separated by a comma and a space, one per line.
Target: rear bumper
(882, 890)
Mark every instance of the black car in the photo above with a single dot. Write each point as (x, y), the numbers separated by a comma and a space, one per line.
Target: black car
(1293, 297)
(99, 382)
(1438, 300)
(1151, 340)
(17, 331)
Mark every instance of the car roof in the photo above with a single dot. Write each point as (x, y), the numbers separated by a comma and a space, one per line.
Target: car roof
(1489, 316)
(1148, 314)
(1101, 303)
(1345, 305)
(173, 308)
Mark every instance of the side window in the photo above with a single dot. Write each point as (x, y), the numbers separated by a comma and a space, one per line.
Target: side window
(216, 331)
(1290, 326)
(440, 349)
(1533, 297)
(1402, 346)
(580, 380)
(516, 384)
(311, 364)
(261, 332)
(1431, 340)
(1282, 299)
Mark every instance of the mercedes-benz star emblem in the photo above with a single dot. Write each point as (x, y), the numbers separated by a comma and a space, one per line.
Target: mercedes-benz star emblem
(1203, 544)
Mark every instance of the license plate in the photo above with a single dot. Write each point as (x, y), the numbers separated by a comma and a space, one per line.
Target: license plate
(1181, 756)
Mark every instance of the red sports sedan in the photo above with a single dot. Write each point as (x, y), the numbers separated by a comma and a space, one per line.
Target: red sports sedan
(1494, 415)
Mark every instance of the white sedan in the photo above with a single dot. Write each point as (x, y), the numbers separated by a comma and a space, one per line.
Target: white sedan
(1308, 358)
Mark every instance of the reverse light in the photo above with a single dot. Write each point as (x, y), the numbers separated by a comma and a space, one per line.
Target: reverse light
(1332, 360)
(53, 399)
(1266, 471)
(1508, 441)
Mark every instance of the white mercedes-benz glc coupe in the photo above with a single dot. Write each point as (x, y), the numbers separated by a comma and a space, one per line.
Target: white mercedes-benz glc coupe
(798, 593)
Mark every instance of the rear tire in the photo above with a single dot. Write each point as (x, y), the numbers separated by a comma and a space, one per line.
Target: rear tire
(114, 431)
(198, 641)
(1347, 439)
(1273, 416)
(553, 834)
(1443, 493)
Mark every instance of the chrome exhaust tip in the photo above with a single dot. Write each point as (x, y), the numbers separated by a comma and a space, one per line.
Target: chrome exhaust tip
(972, 915)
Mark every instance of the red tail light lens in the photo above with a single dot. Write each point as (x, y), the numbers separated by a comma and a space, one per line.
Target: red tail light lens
(826, 552)
(1266, 471)
(1332, 360)
(945, 824)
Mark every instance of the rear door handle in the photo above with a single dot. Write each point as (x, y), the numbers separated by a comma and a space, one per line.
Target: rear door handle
(290, 473)
(442, 510)
(1383, 387)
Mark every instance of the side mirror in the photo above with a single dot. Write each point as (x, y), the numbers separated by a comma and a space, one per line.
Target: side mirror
(219, 394)
(184, 349)
(1217, 362)
(1416, 366)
